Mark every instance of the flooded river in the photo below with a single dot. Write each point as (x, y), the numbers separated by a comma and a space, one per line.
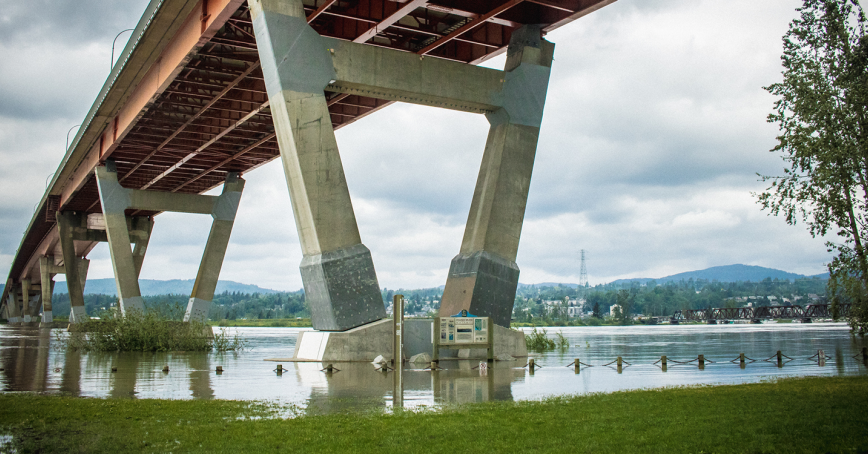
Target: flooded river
(33, 360)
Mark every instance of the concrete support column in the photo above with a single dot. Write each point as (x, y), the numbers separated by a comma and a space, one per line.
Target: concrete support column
(47, 270)
(25, 301)
(337, 269)
(140, 235)
(483, 277)
(12, 307)
(215, 250)
(74, 266)
(115, 200)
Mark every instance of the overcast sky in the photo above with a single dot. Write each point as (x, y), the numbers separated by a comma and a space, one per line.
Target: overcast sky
(654, 130)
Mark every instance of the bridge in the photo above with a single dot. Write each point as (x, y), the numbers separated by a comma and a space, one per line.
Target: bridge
(207, 90)
(714, 315)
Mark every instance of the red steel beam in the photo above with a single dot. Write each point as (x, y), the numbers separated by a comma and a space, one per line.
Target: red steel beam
(319, 10)
(207, 144)
(200, 26)
(391, 19)
(193, 118)
(468, 26)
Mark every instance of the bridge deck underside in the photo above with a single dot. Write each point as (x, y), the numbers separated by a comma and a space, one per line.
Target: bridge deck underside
(213, 118)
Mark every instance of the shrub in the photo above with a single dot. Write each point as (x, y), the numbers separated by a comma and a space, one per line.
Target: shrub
(155, 330)
(538, 341)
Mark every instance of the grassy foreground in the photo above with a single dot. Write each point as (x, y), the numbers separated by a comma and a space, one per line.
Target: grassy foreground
(791, 416)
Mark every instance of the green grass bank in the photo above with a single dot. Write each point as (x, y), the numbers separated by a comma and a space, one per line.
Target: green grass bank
(789, 416)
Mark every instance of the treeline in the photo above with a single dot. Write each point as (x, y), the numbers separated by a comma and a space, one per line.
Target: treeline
(664, 299)
(418, 301)
(226, 305)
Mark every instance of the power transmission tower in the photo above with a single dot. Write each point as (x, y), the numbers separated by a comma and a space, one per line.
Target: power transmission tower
(583, 272)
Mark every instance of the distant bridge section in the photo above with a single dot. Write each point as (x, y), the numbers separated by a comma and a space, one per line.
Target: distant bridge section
(713, 315)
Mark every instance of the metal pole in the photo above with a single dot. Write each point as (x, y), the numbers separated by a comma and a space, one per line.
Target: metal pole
(398, 349)
(67, 137)
(435, 337)
(113, 46)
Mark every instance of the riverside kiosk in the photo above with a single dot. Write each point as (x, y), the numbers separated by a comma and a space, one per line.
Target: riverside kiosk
(463, 330)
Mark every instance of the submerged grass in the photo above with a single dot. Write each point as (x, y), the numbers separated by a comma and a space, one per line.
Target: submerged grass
(155, 330)
(789, 416)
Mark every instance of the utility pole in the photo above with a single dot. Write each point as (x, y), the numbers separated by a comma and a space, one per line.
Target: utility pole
(583, 272)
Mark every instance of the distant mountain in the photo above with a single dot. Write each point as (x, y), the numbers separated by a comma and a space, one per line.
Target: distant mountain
(728, 273)
(155, 287)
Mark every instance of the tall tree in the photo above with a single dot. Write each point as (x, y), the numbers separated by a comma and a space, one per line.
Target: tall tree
(821, 111)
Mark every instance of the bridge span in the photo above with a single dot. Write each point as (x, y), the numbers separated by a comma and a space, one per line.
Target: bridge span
(714, 315)
(207, 90)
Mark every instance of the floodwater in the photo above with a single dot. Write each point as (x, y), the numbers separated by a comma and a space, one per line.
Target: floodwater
(32, 360)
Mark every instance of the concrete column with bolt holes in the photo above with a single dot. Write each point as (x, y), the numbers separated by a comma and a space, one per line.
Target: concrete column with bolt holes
(337, 269)
(215, 249)
(483, 277)
(115, 200)
(75, 267)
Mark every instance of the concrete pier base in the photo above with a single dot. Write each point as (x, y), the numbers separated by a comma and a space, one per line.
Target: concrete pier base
(366, 342)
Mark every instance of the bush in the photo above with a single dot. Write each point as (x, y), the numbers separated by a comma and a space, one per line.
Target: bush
(151, 331)
(538, 341)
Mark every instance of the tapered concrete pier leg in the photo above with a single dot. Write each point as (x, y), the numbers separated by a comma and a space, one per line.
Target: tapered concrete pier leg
(483, 277)
(114, 201)
(75, 267)
(47, 284)
(12, 308)
(337, 269)
(215, 250)
(25, 301)
(140, 235)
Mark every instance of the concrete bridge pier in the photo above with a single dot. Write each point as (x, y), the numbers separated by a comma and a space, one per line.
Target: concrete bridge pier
(72, 226)
(215, 250)
(122, 231)
(483, 277)
(13, 307)
(337, 269)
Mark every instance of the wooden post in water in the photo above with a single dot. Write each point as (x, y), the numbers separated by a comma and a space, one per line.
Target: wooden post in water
(620, 362)
(780, 359)
(577, 365)
(821, 358)
(741, 358)
(701, 360)
(530, 365)
(663, 360)
(398, 352)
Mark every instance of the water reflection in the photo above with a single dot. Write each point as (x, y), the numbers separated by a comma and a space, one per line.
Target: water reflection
(32, 361)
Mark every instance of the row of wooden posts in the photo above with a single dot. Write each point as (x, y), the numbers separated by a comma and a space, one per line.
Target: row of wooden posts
(743, 360)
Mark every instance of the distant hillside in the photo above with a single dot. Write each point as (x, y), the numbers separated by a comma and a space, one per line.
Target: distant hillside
(155, 287)
(728, 273)
(549, 284)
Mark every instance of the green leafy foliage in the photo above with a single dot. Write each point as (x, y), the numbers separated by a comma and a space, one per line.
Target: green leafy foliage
(149, 331)
(821, 112)
(538, 341)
